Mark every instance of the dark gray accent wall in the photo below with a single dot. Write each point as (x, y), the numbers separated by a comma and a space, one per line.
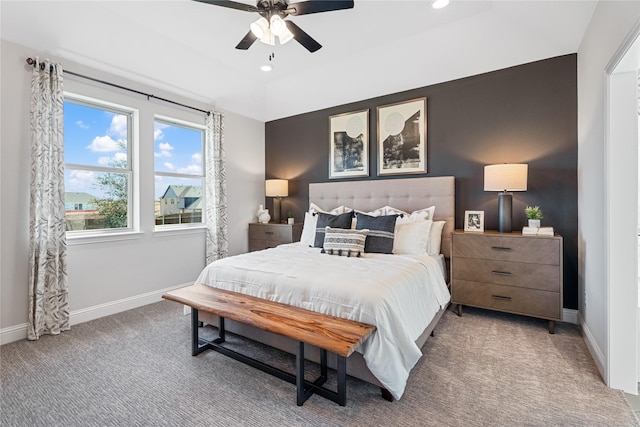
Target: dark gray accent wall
(523, 114)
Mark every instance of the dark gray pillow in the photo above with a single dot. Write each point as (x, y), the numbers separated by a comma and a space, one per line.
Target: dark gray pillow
(333, 221)
(381, 232)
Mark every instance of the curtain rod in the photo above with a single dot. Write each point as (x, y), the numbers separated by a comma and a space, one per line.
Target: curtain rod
(32, 62)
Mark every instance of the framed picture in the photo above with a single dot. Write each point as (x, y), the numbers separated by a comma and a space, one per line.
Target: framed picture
(402, 137)
(349, 145)
(474, 221)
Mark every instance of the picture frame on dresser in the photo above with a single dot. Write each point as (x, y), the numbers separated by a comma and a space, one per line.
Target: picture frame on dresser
(349, 145)
(474, 221)
(402, 137)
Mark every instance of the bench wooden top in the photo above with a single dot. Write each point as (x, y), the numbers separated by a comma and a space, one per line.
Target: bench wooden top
(334, 334)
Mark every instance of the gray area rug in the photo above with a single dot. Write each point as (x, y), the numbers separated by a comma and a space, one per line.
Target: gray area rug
(135, 369)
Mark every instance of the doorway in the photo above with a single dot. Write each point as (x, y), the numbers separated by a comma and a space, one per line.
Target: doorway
(622, 215)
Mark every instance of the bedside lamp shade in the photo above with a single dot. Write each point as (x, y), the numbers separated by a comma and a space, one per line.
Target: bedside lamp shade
(277, 188)
(505, 177)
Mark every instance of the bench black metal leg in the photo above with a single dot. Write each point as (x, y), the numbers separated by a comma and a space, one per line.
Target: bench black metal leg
(195, 341)
(342, 381)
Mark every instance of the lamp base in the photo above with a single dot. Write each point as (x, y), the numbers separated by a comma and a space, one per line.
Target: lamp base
(505, 202)
(276, 209)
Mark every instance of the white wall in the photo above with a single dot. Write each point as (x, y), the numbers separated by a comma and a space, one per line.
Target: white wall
(107, 277)
(611, 23)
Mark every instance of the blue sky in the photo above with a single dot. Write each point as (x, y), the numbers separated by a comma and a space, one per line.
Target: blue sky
(97, 137)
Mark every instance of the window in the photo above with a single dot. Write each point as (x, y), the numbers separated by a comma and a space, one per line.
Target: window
(179, 172)
(98, 173)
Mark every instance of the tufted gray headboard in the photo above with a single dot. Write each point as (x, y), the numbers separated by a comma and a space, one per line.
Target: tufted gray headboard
(408, 194)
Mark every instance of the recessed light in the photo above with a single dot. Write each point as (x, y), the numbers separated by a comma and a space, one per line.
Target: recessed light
(266, 68)
(439, 4)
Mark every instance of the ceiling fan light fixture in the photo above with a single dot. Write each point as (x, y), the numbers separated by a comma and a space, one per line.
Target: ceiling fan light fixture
(285, 37)
(278, 27)
(259, 27)
(268, 38)
(439, 4)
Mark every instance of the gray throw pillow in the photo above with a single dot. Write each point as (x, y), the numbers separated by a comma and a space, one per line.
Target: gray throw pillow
(381, 232)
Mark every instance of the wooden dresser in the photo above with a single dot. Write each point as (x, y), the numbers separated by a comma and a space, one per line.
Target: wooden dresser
(508, 272)
(270, 235)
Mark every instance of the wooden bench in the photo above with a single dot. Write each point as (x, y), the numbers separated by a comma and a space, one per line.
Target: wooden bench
(328, 333)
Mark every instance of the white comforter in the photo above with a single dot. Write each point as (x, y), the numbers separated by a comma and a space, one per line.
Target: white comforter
(399, 294)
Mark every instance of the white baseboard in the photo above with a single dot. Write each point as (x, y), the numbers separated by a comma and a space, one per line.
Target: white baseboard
(19, 332)
(570, 316)
(596, 353)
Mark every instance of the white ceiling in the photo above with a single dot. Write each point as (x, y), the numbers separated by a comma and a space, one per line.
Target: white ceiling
(376, 48)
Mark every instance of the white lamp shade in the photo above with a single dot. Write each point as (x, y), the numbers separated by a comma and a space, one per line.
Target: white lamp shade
(505, 177)
(277, 188)
(259, 27)
(277, 25)
(286, 36)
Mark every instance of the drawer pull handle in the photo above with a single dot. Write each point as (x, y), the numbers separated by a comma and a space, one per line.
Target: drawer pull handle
(501, 298)
(268, 232)
(500, 248)
(501, 273)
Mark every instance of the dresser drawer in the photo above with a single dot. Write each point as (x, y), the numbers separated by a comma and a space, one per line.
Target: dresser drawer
(520, 274)
(519, 249)
(530, 302)
(270, 232)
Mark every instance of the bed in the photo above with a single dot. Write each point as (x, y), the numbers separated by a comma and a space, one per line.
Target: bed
(407, 315)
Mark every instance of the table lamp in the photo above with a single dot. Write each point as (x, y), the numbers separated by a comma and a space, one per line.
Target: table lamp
(276, 188)
(505, 177)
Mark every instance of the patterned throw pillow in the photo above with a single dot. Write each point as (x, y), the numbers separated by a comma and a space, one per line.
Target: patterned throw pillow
(333, 221)
(381, 229)
(338, 241)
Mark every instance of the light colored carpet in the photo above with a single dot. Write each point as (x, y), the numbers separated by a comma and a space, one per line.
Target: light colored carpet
(135, 369)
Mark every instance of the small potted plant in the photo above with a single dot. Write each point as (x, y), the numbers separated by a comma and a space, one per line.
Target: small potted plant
(290, 219)
(534, 214)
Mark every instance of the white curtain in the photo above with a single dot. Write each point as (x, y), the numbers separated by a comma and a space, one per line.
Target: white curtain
(217, 245)
(48, 301)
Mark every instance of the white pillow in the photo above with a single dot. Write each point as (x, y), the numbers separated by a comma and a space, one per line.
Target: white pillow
(308, 236)
(412, 238)
(421, 214)
(435, 237)
(313, 208)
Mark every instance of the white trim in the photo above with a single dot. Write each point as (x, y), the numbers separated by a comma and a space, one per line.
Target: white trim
(86, 239)
(19, 332)
(596, 353)
(570, 316)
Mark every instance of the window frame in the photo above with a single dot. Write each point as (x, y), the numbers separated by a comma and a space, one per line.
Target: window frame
(131, 171)
(171, 121)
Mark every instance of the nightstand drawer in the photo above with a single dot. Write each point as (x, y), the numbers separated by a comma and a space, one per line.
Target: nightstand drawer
(258, 245)
(508, 298)
(270, 232)
(507, 248)
(520, 274)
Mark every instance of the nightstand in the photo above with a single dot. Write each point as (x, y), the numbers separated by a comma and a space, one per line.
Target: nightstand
(270, 235)
(508, 272)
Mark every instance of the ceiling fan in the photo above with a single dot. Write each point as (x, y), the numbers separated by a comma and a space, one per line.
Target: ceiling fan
(272, 22)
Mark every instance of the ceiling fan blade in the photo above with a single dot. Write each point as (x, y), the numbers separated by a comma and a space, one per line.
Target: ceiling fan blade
(317, 6)
(303, 38)
(231, 5)
(247, 41)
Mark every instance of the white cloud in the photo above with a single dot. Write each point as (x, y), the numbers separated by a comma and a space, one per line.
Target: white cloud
(165, 150)
(104, 161)
(191, 169)
(119, 126)
(197, 158)
(103, 144)
(169, 166)
(82, 125)
(120, 156)
(80, 180)
(107, 161)
(157, 134)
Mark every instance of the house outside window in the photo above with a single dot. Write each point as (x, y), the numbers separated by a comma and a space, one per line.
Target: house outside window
(179, 173)
(98, 165)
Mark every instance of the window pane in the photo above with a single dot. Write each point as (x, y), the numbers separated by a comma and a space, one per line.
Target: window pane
(177, 149)
(178, 200)
(94, 137)
(95, 200)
